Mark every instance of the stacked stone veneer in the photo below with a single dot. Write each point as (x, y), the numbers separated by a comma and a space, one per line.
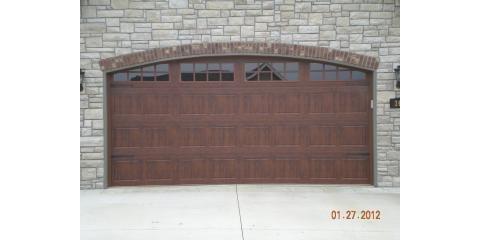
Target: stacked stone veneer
(111, 28)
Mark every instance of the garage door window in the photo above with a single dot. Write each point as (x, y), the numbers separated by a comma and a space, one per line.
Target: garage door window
(320, 71)
(158, 72)
(206, 72)
(268, 71)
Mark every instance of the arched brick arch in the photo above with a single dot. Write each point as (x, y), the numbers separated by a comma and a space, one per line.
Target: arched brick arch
(239, 48)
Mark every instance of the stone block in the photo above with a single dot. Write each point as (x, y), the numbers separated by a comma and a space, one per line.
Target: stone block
(93, 42)
(178, 4)
(371, 7)
(92, 27)
(91, 141)
(119, 4)
(221, 5)
(315, 18)
(115, 36)
(141, 36)
(133, 13)
(247, 31)
(231, 30)
(359, 15)
(343, 21)
(162, 25)
(208, 13)
(305, 37)
(109, 13)
(266, 19)
(142, 5)
(308, 29)
(320, 8)
(235, 20)
(153, 15)
(92, 156)
(164, 34)
(88, 173)
(327, 35)
(88, 12)
(303, 7)
(93, 114)
(127, 27)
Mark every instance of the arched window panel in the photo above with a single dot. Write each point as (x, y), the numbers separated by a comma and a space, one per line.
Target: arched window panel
(330, 72)
(148, 73)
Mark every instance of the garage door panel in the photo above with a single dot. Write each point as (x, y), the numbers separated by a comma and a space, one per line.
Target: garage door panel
(287, 103)
(192, 168)
(255, 136)
(223, 168)
(156, 104)
(162, 169)
(126, 104)
(256, 168)
(322, 135)
(288, 135)
(292, 167)
(354, 135)
(223, 104)
(193, 104)
(127, 171)
(321, 103)
(355, 101)
(126, 137)
(256, 104)
(158, 137)
(356, 168)
(323, 168)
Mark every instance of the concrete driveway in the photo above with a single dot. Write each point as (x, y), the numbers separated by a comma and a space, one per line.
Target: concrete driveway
(238, 212)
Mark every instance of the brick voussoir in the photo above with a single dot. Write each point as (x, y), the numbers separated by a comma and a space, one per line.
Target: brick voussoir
(241, 48)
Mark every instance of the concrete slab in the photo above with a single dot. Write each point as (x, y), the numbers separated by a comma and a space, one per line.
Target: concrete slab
(211, 212)
(170, 212)
(304, 212)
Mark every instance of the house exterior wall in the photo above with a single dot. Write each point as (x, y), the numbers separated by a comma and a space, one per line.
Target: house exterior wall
(110, 28)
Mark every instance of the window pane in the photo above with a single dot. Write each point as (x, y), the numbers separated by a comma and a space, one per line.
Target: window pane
(357, 75)
(291, 76)
(164, 77)
(227, 71)
(278, 67)
(250, 67)
(316, 66)
(344, 75)
(187, 72)
(277, 76)
(291, 67)
(265, 76)
(135, 74)
(316, 76)
(330, 75)
(148, 76)
(164, 67)
(213, 76)
(200, 67)
(250, 71)
(120, 76)
(201, 76)
(330, 67)
(266, 67)
(227, 67)
(215, 67)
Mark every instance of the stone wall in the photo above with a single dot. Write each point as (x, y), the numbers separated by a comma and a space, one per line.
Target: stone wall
(114, 27)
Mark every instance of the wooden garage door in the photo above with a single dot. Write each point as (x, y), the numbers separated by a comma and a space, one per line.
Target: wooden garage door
(239, 120)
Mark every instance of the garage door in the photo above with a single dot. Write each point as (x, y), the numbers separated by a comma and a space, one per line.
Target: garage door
(239, 120)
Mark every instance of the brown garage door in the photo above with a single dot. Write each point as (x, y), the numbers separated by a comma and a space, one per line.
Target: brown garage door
(239, 120)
